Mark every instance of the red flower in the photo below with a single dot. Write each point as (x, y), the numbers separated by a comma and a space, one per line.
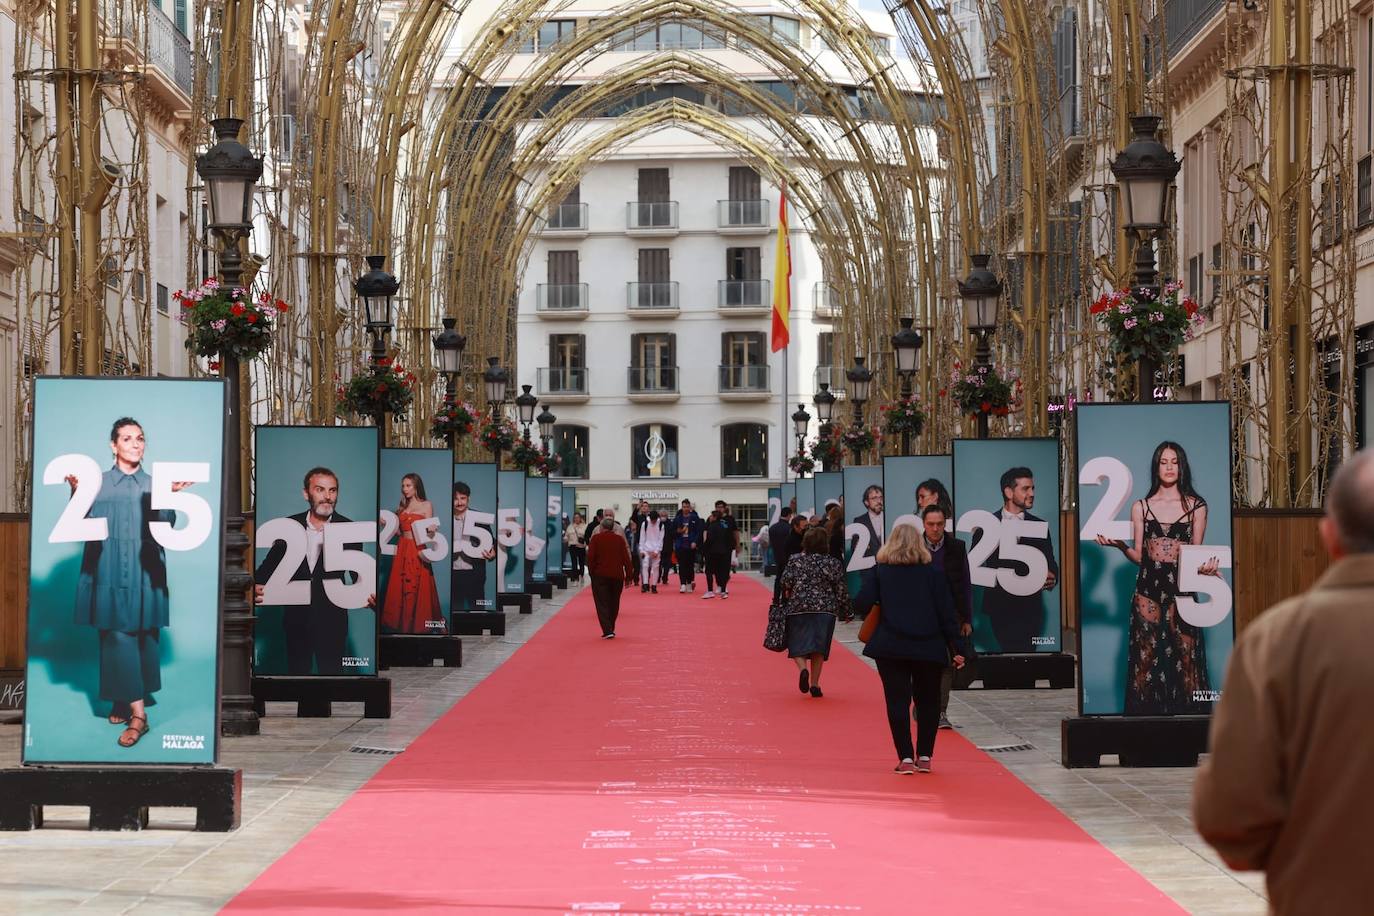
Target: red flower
(958, 365)
(281, 306)
(252, 317)
(985, 406)
(943, 392)
(381, 389)
(1190, 307)
(1002, 411)
(214, 365)
(236, 308)
(384, 361)
(1099, 306)
(177, 295)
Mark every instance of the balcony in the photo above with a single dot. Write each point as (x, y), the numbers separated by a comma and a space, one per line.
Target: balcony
(742, 217)
(833, 376)
(1185, 18)
(652, 300)
(167, 68)
(561, 300)
(744, 383)
(566, 221)
(563, 384)
(825, 301)
(652, 383)
(651, 218)
(745, 297)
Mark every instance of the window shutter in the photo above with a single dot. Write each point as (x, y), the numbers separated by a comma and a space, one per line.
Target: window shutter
(653, 185)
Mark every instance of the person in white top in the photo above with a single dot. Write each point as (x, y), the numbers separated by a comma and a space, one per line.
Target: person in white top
(650, 551)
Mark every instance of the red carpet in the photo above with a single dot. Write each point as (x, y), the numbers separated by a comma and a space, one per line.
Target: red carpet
(677, 769)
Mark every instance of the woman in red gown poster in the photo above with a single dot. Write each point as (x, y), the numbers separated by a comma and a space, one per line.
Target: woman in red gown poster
(411, 603)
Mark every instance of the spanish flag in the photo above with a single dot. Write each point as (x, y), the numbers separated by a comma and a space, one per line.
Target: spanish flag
(782, 278)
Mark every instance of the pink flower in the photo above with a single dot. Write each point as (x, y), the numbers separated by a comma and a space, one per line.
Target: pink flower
(1128, 323)
(1124, 308)
(218, 324)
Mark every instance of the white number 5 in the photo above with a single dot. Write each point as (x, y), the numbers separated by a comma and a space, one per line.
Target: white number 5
(199, 517)
(1213, 612)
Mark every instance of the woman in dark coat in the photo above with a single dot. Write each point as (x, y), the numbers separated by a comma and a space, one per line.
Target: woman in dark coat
(916, 636)
(813, 593)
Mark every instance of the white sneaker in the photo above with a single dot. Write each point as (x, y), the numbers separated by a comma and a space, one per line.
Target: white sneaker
(682, 589)
(708, 594)
(725, 594)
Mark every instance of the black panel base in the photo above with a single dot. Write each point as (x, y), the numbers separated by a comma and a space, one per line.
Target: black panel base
(542, 589)
(119, 797)
(404, 650)
(522, 600)
(475, 623)
(1139, 741)
(314, 696)
(558, 580)
(1018, 672)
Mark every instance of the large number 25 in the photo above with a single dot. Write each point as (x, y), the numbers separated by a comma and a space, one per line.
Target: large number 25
(280, 590)
(1103, 520)
(1004, 536)
(433, 548)
(74, 527)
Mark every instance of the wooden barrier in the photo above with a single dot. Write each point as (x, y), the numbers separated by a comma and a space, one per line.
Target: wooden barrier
(14, 588)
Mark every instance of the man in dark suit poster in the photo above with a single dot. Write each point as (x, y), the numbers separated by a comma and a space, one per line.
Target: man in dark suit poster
(1017, 619)
(871, 519)
(317, 632)
(949, 555)
(469, 589)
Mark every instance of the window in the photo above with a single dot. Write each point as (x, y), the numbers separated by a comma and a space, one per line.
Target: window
(653, 450)
(549, 35)
(825, 348)
(563, 290)
(653, 363)
(568, 214)
(567, 362)
(1364, 120)
(162, 304)
(655, 286)
(743, 450)
(745, 206)
(688, 35)
(1066, 71)
(653, 207)
(573, 445)
(179, 16)
(743, 363)
(782, 28)
(743, 264)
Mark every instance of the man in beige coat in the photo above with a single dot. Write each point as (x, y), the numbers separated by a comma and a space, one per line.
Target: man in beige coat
(1289, 785)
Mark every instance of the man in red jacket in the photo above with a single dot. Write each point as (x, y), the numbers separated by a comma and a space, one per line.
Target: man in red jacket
(611, 570)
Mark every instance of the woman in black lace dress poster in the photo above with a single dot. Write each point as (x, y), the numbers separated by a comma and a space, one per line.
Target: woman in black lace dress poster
(1166, 662)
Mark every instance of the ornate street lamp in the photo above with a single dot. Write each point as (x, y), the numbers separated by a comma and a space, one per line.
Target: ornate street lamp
(906, 344)
(860, 379)
(494, 381)
(801, 421)
(546, 420)
(825, 412)
(526, 403)
(448, 349)
(1145, 170)
(981, 292)
(230, 172)
(376, 289)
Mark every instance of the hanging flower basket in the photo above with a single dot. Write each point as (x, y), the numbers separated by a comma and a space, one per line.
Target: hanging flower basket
(377, 390)
(1142, 327)
(903, 416)
(497, 434)
(982, 389)
(221, 320)
(458, 418)
(548, 465)
(829, 451)
(802, 463)
(860, 438)
(526, 455)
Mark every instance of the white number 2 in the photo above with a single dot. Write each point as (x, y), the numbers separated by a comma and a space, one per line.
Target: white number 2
(1198, 613)
(1103, 519)
(858, 560)
(72, 525)
(390, 525)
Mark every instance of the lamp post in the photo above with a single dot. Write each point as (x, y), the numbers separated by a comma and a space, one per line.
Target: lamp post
(1145, 170)
(230, 172)
(906, 344)
(494, 381)
(376, 289)
(981, 293)
(825, 412)
(546, 420)
(448, 347)
(860, 379)
(801, 421)
(525, 403)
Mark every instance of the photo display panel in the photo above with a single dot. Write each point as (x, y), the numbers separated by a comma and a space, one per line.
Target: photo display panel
(1006, 499)
(913, 481)
(510, 531)
(415, 563)
(554, 551)
(536, 527)
(864, 509)
(806, 496)
(1154, 557)
(124, 571)
(788, 495)
(475, 555)
(774, 505)
(315, 550)
(829, 490)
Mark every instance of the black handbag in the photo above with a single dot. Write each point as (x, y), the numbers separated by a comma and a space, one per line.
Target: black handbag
(775, 636)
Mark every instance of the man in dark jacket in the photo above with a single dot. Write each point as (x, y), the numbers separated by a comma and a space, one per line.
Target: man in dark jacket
(687, 529)
(610, 568)
(778, 540)
(950, 556)
(1018, 619)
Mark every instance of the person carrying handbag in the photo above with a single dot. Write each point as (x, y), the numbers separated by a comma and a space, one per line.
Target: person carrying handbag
(814, 594)
(915, 636)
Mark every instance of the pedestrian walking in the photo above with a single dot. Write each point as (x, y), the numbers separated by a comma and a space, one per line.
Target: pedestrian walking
(779, 535)
(577, 545)
(688, 530)
(814, 593)
(650, 550)
(1285, 787)
(722, 540)
(611, 570)
(950, 557)
(915, 637)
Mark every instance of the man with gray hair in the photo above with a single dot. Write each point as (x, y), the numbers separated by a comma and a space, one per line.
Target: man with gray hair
(1286, 786)
(609, 565)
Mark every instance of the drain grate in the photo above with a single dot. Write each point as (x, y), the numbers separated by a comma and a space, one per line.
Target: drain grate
(384, 751)
(1007, 748)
